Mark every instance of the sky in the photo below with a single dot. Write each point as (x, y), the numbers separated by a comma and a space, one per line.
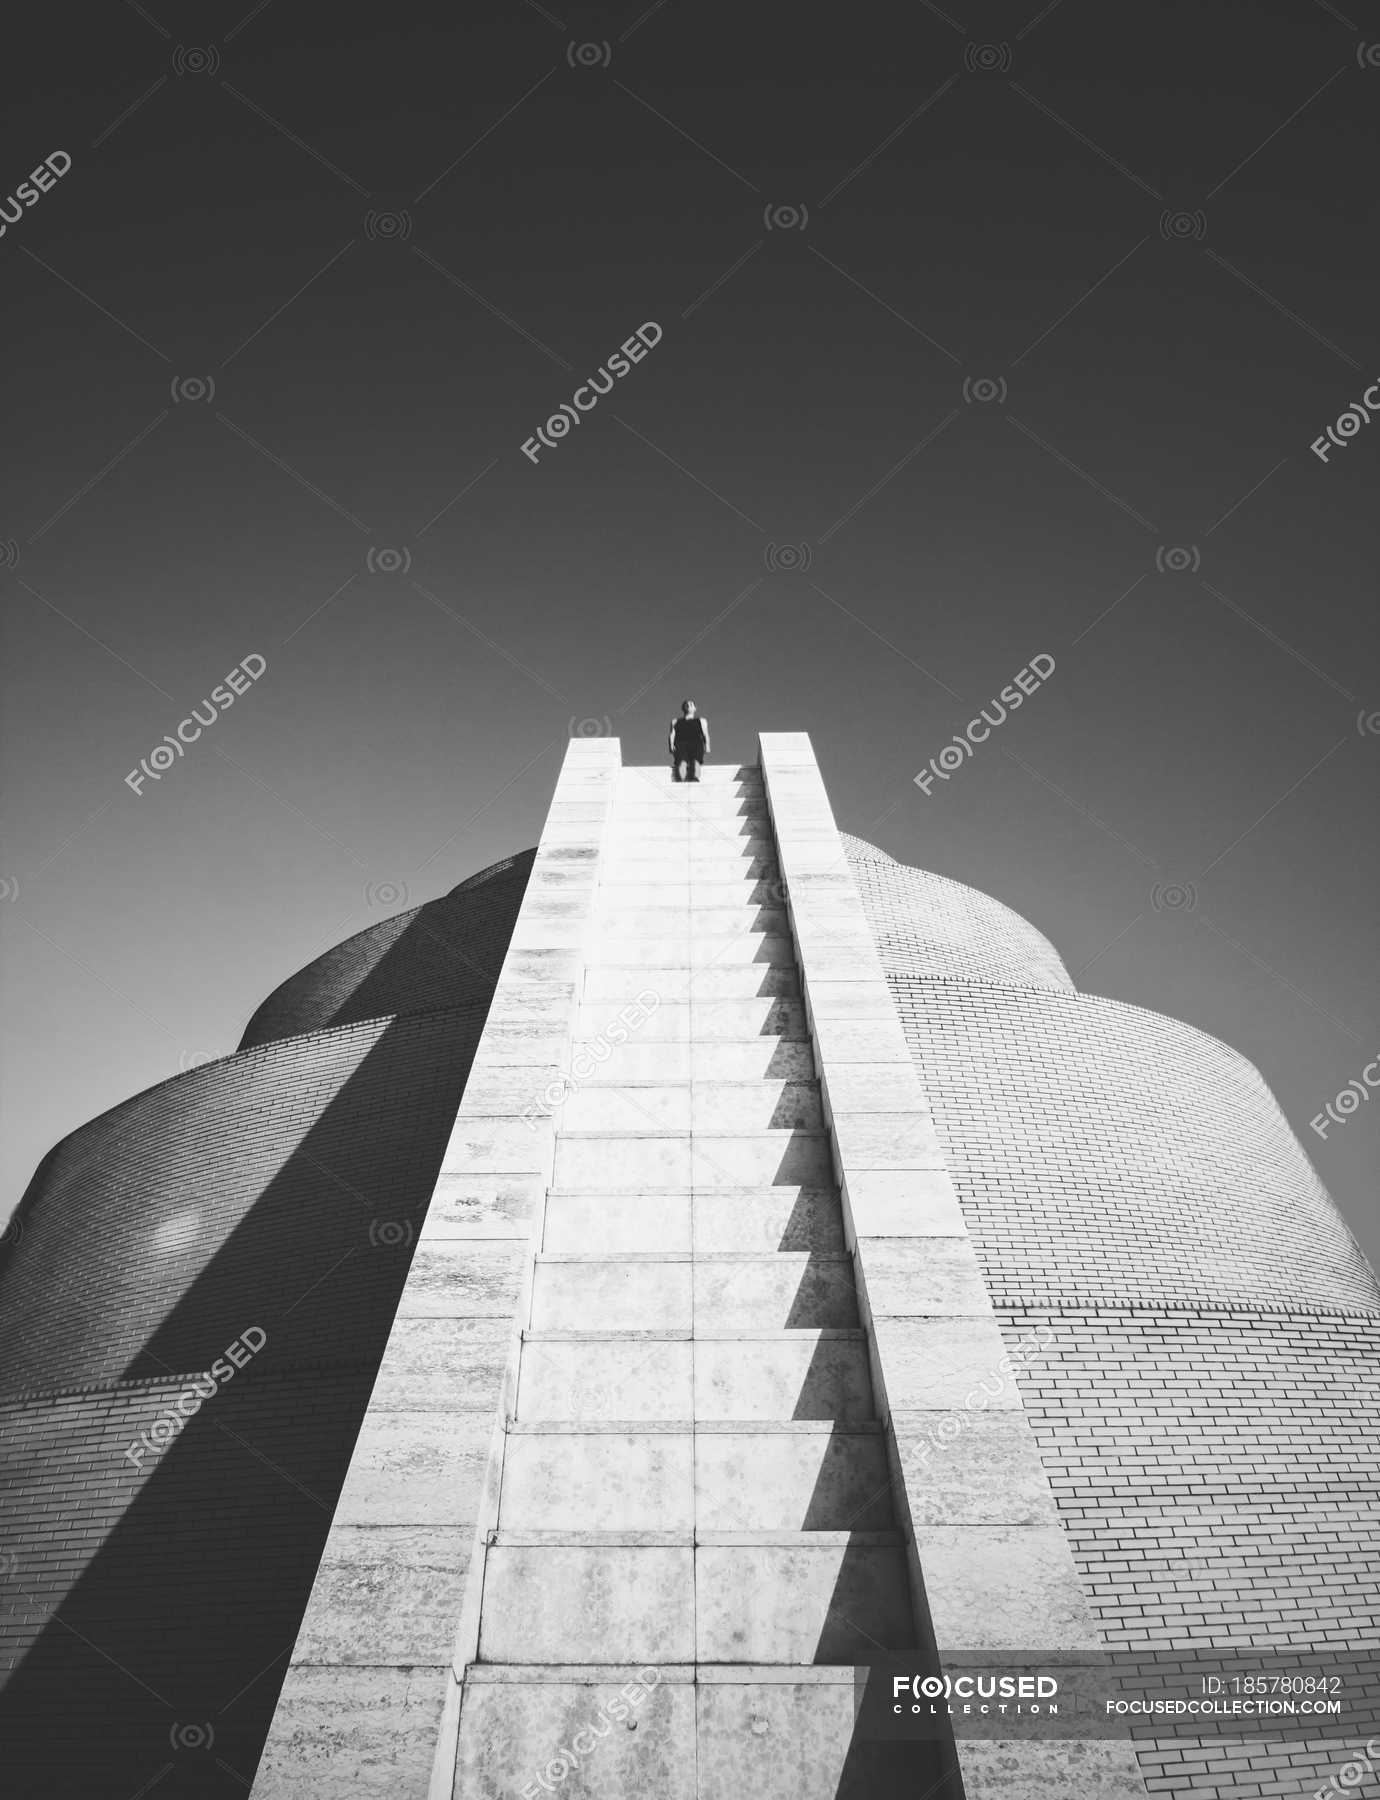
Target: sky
(977, 335)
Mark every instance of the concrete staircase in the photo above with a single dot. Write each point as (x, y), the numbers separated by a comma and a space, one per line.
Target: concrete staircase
(695, 1520)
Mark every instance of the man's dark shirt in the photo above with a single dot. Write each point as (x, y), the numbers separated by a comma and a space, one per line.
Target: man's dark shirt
(688, 737)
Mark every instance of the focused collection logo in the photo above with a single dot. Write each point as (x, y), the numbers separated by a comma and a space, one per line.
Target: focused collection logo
(31, 190)
(934, 1696)
(630, 351)
(220, 699)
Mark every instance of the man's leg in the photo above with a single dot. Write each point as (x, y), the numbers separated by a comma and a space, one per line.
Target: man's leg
(694, 769)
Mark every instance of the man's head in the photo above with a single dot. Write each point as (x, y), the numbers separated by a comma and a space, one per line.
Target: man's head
(688, 708)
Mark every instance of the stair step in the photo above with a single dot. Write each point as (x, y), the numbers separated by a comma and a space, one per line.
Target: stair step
(658, 872)
(614, 1539)
(681, 1485)
(701, 1427)
(742, 1601)
(720, 1108)
(648, 1291)
(752, 1259)
(602, 1063)
(612, 915)
(674, 948)
(695, 1018)
(656, 827)
(720, 1731)
(684, 984)
(647, 1161)
(750, 1222)
(719, 1376)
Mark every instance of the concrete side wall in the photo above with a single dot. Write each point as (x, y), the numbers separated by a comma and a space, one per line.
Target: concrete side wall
(989, 1558)
(370, 1703)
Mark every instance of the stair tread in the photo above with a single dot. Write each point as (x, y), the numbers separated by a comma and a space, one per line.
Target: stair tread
(792, 1335)
(773, 1258)
(689, 1540)
(699, 1427)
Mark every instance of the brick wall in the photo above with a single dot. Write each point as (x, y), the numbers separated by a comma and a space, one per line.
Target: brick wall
(446, 953)
(1205, 1402)
(927, 925)
(1218, 1475)
(1102, 1151)
(282, 1187)
(151, 1602)
(154, 1606)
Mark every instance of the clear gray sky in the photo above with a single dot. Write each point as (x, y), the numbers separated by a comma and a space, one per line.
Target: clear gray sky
(984, 336)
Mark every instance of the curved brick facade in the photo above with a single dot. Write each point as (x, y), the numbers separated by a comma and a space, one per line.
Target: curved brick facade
(280, 1188)
(446, 953)
(1208, 1372)
(927, 925)
(274, 1185)
(1108, 1153)
(1203, 1394)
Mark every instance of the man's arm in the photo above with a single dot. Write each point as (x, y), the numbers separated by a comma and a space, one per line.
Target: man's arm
(671, 738)
(705, 723)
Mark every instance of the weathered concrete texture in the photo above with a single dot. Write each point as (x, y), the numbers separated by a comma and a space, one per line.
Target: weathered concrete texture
(995, 1570)
(918, 1277)
(625, 1296)
(824, 1476)
(415, 1468)
(751, 1422)
(832, 1602)
(370, 1702)
(587, 1740)
(485, 1206)
(800, 1375)
(969, 1466)
(384, 1595)
(998, 1587)
(1074, 1769)
(588, 1603)
(451, 1365)
(582, 1379)
(695, 1470)
(782, 1740)
(948, 1364)
(605, 1481)
(467, 1278)
(360, 1731)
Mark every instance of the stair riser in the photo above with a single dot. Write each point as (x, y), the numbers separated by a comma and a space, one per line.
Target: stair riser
(610, 1379)
(682, 1482)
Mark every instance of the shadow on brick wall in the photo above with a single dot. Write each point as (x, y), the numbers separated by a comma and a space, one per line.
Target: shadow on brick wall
(446, 953)
(157, 1592)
